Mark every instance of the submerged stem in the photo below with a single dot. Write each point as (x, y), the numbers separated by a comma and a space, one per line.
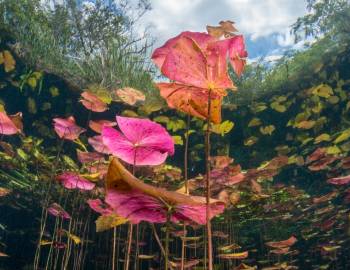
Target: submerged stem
(114, 245)
(167, 231)
(207, 165)
(183, 247)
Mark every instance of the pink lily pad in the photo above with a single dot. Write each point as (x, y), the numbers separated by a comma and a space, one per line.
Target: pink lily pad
(67, 128)
(57, 210)
(89, 157)
(71, 180)
(97, 125)
(93, 102)
(137, 206)
(98, 206)
(140, 141)
(339, 181)
(131, 198)
(97, 143)
(7, 126)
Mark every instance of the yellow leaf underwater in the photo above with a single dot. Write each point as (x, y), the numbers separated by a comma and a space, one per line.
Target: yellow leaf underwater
(7, 59)
(250, 141)
(322, 138)
(254, 122)
(73, 237)
(267, 130)
(145, 257)
(221, 129)
(306, 124)
(278, 107)
(239, 255)
(178, 140)
(322, 90)
(343, 136)
(104, 223)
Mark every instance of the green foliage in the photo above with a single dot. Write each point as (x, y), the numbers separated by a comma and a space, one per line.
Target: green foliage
(83, 44)
(330, 17)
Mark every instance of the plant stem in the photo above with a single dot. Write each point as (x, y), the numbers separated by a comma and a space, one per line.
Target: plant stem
(114, 244)
(207, 164)
(183, 247)
(166, 261)
(127, 261)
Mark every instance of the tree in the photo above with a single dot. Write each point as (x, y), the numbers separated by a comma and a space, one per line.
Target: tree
(88, 43)
(326, 17)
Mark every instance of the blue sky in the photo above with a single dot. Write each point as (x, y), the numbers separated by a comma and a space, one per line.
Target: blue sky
(265, 23)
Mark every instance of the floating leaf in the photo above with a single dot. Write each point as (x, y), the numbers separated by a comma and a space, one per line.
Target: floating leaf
(322, 138)
(345, 135)
(333, 150)
(178, 140)
(8, 61)
(54, 91)
(110, 221)
(222, 128)
(254, 122)
(145, 257)
(278, 107)
(130, 95)
(306, 124)
(31, 105)
(322, 90)
(139, 140)
(4, 192)
(234, 256)
(75, 239)
(250, 141)
(92, 102)
(267, 130)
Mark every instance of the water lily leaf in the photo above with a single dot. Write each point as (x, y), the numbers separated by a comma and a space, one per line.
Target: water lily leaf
(234, 256)
(129, 113)
(107, 222)
(31, 105)
(8, 61)
(333, 99)
(130, 95)
(322, 138)
(250, 141)
(278, 107)
(4, 192)
(54, 91)
(161, 119)
(178, 140)
(284, 243)
(308, 124)
(176, 124)
(73, 237)
(267, 130)
(145, 257)
(322, 90)
(343, 136)
(254, 122)
(222, 128)
(258, 107)
(333, 150)
(150, 107)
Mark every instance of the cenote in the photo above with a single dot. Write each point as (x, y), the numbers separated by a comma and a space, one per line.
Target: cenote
(206, 149)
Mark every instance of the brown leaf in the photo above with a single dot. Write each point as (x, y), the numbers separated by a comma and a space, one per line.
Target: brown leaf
(119, 178)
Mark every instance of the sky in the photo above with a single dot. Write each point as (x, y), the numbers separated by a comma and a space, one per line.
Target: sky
(265, 23)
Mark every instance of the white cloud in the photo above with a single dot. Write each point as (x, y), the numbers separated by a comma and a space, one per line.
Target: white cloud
(255, 17)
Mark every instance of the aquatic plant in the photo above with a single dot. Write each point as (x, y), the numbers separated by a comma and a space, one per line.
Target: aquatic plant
(286, 193)
(197, 64)
(142, 142)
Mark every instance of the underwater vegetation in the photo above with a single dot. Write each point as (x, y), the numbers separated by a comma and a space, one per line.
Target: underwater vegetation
(186, 174)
